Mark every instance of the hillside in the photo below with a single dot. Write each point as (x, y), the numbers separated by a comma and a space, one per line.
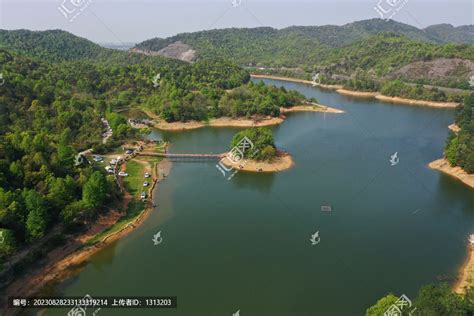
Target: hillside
(449, 34)
(374, 46)
(263, 41)
(52, 102)
(51, 45)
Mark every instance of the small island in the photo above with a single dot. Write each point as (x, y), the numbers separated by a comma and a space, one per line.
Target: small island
(253, 150)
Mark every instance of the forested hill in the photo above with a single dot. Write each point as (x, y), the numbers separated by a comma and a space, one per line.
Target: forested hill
(53, 95)
(440, 55)
(327, 35)
(459, 148)
(54, 45)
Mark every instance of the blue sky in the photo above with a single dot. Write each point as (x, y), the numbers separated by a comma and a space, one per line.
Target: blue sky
(136, 20)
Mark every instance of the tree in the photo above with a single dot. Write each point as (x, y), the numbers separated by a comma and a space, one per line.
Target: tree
(65, 156)
(439, 299)
(95, 190)
(382, 305)
(36, 221)
(72, 212)
(432, 300)
(7, 242)
(262, 140)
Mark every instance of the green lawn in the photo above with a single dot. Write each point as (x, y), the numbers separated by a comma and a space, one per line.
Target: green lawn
(134, 209)
(136, 176)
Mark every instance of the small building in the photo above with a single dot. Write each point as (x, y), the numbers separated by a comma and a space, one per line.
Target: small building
(80, 159)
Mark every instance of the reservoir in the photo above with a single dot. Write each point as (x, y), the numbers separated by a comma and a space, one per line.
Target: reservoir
(244, 244)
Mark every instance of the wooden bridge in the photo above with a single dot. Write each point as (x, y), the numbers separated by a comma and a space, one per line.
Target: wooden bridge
(185, 157)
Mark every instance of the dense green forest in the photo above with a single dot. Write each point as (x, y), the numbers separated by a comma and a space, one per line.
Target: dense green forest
(378, 48)
(459, 149)
(52, 101)
(262, 140)
(432, 300)
(43, 125)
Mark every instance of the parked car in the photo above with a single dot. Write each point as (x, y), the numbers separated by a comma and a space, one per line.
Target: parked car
(147, 175)
(109, 169)
(123, 174)
(143, 196)
(129, 151)
(145, 184)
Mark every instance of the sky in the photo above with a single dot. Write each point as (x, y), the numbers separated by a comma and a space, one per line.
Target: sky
(132, 21)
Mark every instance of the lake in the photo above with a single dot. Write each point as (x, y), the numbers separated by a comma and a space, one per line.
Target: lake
(244, 244)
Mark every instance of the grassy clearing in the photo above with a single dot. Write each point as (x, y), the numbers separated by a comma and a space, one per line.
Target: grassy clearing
(134, 185)
(134, 182)
(135, 207)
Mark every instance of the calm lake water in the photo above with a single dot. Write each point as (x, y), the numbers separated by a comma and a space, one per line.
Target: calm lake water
(245, 244)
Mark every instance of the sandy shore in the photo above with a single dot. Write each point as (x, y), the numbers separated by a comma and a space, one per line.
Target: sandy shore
(239, 122)
(310, 108)
(466, 273)
(219, 122)
(444, 166)
(398, 100)
(340, 89)
(455, 128)
(280, 163)
(281, 78)
(61, 263)
(359, 94)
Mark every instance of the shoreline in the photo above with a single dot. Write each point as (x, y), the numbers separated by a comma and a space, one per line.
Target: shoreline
(466, 272)
(361, 94)
(311, 108)
(158, 123)
(56, 269)
(456, 172)
(219, 122)
(283, 161)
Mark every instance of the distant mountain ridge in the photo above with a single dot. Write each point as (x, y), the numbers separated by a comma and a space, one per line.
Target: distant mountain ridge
(53, 45)
(376, 46)
(329, 35)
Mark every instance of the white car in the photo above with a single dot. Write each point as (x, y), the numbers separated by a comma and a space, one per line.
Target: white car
(97, 158)
(109, 169)
(147, 175)
(145, 184)
(123, 174)
(143, 196)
